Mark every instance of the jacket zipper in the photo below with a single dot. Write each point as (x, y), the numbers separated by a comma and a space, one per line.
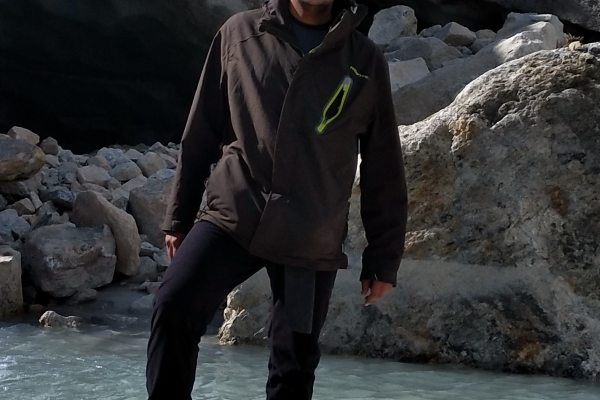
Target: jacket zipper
(335, 105)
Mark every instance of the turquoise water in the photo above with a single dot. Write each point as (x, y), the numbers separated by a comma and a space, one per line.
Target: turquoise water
(41, 364)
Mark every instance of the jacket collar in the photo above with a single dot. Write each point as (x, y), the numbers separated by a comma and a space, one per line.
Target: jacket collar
(277, 20)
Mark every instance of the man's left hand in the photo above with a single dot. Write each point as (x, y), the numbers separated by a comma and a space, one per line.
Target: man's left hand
(374, 290)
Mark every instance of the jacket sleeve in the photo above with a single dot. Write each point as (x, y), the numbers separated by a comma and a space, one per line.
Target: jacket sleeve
(201, 142)
(383, 187)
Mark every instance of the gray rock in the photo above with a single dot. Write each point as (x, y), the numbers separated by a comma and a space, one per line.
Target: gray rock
(392, 23)
(148, 271)
(151, 163)
(431, 31)
(486, 34)
(7, 219)
(148, 250)
(59, 196)
(82, 297)
(432, 50)
(133, 154)
(547, 25)
(134, 183)
(63, 259)
(91, 209)
(455, 34)
(480, 44)
(3, 202)
(66, 156)
(49, 146)
(162, 261)
(120, 199)
(24, 134)
(142, 306)
(11, 294)
(107, 194)
(19, 159)
(403, 73)
(425, 97)
(99, 161)
(52, 161)
(93, 174)
(148, 205)
(170, 162)
(113, 184)
(23, 207)
(51, 319)
(20, 228)
(114, 157)
(159, 149)
(125, 171)
(35, 200)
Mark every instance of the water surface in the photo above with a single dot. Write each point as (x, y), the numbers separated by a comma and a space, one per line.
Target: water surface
(48, 364)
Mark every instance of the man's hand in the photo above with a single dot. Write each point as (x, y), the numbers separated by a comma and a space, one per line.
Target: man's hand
(374, 290)
(173, 240)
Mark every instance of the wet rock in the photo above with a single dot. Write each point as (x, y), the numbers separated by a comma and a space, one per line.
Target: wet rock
(19, 159)
(50, 146)
(82, 297)
(112, 319)
(125, 171)
(148, 205)
(11, 295)
(403, 73)
(425, 97)
(142, 306)
(93, 174)
(59, 196)
(455, 34)
(392, 23)
(151, 163)
(91, 209)
(63, 259)
(24, 134)
(52, 319)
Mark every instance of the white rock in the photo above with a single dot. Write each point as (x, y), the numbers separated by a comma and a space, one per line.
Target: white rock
(432, 50)
(392, 23)
(455, 34)
(51, 319)
(405, 72)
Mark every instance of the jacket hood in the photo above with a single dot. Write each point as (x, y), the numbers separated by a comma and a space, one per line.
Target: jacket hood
(347, 16)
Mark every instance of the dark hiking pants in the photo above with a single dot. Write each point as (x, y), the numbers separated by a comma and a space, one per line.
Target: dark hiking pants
(207, 266)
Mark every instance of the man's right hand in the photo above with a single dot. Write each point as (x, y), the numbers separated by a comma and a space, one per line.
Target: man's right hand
(173, 240)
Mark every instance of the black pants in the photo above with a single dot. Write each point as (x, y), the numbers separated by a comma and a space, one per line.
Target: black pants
(207, 266)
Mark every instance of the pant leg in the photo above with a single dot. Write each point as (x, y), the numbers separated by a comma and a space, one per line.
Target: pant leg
(295, 356)
(207, 266)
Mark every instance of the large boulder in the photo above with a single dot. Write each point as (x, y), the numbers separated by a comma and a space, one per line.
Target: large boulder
(523, 34)
(62, 259)
(392, 23)
(126, 70)
(11, 292)
(148, 205)
(502, 258)
(19, 159)
(92, 209)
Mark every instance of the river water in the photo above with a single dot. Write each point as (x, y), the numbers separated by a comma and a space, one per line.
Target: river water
(98, 363)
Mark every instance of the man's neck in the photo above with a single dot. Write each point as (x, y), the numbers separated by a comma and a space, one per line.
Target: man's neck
(310, 14)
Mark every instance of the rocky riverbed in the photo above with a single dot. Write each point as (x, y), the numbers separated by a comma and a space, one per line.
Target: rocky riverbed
(501, 142)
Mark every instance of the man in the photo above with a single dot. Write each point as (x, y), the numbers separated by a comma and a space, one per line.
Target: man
(289, 95)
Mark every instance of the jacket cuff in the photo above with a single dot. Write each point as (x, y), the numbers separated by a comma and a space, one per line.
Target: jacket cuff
(380, 270)
(171, 225)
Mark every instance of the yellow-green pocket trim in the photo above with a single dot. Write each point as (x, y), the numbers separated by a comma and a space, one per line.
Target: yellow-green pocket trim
(339, 96)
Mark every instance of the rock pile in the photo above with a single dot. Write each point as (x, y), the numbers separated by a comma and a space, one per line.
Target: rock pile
(79, 220)
(428, 70)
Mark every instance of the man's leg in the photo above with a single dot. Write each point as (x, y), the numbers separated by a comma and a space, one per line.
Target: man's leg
(206, 267)
(295, 356)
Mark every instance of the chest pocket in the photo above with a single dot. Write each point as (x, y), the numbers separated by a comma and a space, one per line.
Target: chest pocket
(334, 107)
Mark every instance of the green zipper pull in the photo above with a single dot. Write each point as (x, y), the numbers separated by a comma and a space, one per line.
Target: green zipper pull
(335, 105)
